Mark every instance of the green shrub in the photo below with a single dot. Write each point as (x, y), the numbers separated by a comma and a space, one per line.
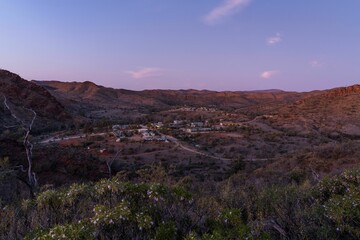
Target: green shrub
(166, 231)
(339, 200)
(78, 231)
(113, 209)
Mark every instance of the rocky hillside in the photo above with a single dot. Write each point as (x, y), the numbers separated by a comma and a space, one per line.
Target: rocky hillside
(22, 95)
(335, 112)
(89, 96)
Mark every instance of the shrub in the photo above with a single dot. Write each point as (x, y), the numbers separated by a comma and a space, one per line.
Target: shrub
(339, 200)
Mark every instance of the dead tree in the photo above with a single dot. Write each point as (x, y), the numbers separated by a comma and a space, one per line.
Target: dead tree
(109, 162)
(26, 142)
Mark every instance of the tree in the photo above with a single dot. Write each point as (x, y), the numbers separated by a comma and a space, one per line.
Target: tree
(26, 127)
(109, 162)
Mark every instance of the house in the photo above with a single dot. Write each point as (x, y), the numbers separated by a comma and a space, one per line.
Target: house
(217, 127)
(229, 123)
(203, 129)
(120, 127)
(143, 130)
(119, 134)
(177, 124)
(156, 139)
(159, 125)
(197, 124)
(147, 133)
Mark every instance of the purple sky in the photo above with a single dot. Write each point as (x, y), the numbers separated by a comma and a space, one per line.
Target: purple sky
(181, 44)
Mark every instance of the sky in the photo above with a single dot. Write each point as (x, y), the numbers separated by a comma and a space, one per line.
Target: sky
(218, 45)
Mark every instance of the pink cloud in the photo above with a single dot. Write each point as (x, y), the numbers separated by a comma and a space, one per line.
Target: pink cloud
(228, 7)
(274, 40)
(316, 63)
(268, 74)
(146, 73)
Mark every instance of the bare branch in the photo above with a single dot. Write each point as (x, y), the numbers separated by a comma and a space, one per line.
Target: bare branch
(110, 162)
(33, 119)
(27, 144)
(315, 175)
(8, 127)
(11, 112)
(277, 227)
(21, 167)
(29, 127)
(35, 179)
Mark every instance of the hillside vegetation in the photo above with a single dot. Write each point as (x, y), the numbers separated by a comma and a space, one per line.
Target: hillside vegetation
(114, 209)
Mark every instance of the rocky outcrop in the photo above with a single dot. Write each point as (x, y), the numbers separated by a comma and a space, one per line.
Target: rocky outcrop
(343, 91)
(27, 94)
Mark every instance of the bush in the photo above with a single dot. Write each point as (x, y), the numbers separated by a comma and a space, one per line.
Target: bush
(114, 209)
(339, 200)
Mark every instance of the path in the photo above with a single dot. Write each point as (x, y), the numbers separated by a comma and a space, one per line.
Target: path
(58, 139)
(186, 148)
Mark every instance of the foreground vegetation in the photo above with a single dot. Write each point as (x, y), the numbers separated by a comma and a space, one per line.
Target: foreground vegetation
(116, 209)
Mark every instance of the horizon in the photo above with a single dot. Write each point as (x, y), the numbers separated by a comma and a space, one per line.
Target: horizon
(182, 89)
(196, 89)
(217, 45)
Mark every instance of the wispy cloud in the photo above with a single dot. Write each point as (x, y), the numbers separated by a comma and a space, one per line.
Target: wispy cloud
(274, 39)
(227, 8)
(147, 72)
(268, 74)
(316, 63)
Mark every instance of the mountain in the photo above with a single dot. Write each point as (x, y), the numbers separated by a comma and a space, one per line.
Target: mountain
(88, 97)
(335, 111)
(91, 101)
(22, 95)
(226, 100)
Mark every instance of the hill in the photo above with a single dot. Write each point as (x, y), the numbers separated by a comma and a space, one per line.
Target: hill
(335, 112)
(97, 102)
(22, 95)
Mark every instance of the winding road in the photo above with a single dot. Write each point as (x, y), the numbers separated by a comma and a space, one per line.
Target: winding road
(186, 148)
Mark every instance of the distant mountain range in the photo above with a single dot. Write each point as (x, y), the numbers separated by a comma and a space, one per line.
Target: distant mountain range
(89, 96)
(62, 102)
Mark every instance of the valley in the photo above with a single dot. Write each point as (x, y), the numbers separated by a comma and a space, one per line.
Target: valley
(204, 141)
(178, 129)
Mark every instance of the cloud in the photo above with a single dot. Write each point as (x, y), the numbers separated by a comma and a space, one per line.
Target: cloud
(316, 63)
(268, 74)
(274, 40)
(227, 8)
(146, 73)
